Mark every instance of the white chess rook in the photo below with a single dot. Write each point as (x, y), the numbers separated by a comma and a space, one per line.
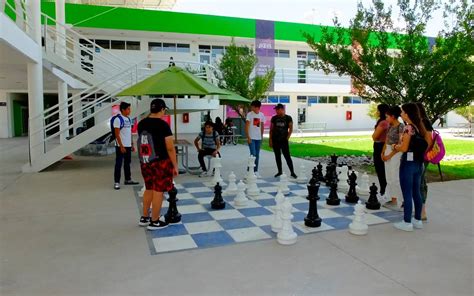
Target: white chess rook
(232, 187)
(286, 236)
(240, 200)
(283, 185)
(277, 222)
(358, 225)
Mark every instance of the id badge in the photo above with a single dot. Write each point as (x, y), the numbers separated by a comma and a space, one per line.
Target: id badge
(409, 156)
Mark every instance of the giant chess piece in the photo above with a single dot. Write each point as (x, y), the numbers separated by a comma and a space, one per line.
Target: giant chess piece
(313, 189)
(283, 185)
(217, 203)
(351, 196)
(343, 184)
(333, 198)
(232, 187)
(320, 173)
(358, 225)
(328, 175)
(240, 200)
(277, 222)
(302, 175)
(363, 187)
(172, 215)
(313, 219)
(252, 188)
(334, 159)
(217, 164)
(286, 236)
(250, 168)
(373, 203)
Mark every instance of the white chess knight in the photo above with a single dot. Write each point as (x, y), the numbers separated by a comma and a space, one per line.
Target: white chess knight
(216, 164)
(302, 175)
(342, 185)
(286, 236)
(232, 187)
(277, 223)
(359, 225)
(363, 186)
(283, 185)
(240, 200)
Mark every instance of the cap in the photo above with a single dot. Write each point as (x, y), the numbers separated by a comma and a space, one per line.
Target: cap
(279, 106)
(157, 105)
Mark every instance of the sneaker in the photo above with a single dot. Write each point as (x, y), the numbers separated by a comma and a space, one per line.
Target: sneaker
(403, 226)
(277, 175)
(144, 221)
(116, 186)
(155, 225)
(130, 182)
(418, 224)
(294, 176)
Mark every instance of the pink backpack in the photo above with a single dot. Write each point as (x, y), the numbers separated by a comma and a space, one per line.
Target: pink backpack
(436, 151)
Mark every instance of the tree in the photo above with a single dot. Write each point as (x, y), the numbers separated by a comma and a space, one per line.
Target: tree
(466, 112)
(395, 66)
(237, 68)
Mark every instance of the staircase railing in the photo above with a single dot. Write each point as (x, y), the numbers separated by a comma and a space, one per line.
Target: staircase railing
(18, 11)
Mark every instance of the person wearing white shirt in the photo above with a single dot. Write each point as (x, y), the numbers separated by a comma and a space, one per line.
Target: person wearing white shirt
(254, 126)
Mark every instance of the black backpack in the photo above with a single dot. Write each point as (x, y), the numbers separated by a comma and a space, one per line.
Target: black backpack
(112, 129)
(146, 148)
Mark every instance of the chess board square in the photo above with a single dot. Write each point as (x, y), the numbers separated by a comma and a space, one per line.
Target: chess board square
(268, 230)
(173, 243)
(300, 192)
(264, 184)
(305, 229)
(298, 216)
(248, 204)
(203, 227)
(179, 186)
(296, 187)
(205, 200)
(326, 213)
(261, 220)
(186, 195)
(226, 214)
(301, 206)
(263, 195)
(392, 216)
(371, 219)
(298, 200)
(198, 189)
(249, 212)
(191, 209)
(344, 211)
(266, 202)
(203, 194)
(212, 239)
(192, 185)
(196, 217)
(209, 208)
(186, 202)
(248, 234)
(338, 223)
(235, 223)
(171, 230)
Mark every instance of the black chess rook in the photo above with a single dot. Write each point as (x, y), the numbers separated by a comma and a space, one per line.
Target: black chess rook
(172, 215)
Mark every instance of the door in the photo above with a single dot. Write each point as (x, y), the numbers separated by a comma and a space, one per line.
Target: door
(24, 121)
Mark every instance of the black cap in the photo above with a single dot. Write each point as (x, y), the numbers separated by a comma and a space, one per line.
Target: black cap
(279, 106)
(157, 105)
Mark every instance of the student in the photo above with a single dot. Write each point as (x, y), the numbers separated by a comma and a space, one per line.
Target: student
(157, 173)
(123, 145)
(280, 132)
(254, 126)
(210, 145)
(413, 146)
(392, 158)
(379, 136)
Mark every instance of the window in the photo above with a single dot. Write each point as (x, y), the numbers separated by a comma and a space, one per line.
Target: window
(332, 100)
(103, 43)
(274, 99)
(313, 100)
(155, 46)
(301, 99)
(354, 100)
(117, 44)
(217, 50)
(169, 47)
(133, 45)
(285, 99)
(183, 47)
(308, 55)
(282, 53)
(204, 48)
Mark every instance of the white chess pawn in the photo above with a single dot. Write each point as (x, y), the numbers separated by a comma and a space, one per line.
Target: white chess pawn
(286, 236)
(283, 185)
(277, 223)
(342, 185)
(363, 187)
(232, 187)
(302, 175)
(240, 200)
(358, 225)
(216, 161)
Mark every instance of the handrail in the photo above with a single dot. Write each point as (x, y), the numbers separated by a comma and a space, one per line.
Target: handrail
(23, 15)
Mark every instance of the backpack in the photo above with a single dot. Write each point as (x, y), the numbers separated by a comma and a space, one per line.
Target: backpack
(112, 129)
(146, 148)
(437, 151)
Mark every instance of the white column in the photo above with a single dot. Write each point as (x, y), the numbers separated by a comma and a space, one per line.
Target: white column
(35, 86)
(62, 86)
(2, 5)
(5, 118)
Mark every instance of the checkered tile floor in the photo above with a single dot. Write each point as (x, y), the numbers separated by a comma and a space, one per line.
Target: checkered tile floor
(203, 227)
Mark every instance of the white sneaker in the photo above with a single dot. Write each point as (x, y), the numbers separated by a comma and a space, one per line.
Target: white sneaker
(403, 226)
(418, 224)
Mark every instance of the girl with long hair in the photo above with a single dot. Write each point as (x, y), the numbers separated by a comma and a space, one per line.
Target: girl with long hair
(379, 136)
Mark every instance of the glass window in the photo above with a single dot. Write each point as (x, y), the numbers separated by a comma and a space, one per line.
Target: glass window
(218, 50)
(322, 100)
(312, 100)
(183, 47)
(205, 48)
(264, 100)
(272, 99)
(169, 47)
(284, 53)
(301, 99)
(312, 56)
(154, 46)
(133, 45)
(117, 44)
(103, 43)
(332, 100)
(285, 99)
(301, 54)
(347, 100)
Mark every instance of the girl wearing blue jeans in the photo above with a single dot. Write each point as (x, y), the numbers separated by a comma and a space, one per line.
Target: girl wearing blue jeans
(413, 144)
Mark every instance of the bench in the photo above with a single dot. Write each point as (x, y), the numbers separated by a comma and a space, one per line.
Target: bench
(312, 126)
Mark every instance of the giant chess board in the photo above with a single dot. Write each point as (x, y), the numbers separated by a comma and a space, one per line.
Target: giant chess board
(203, 227)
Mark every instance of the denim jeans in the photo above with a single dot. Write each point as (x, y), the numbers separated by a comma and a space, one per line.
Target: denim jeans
(254, 147)
(124, 158)
(410, 181)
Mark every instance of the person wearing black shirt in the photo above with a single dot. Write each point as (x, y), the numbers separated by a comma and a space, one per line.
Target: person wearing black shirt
(157, 174)
(280, 131)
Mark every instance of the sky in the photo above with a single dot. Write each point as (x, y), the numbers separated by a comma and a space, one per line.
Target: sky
(318, 12)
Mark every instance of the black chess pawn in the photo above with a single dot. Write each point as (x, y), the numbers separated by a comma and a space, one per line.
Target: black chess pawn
(314, 173)
(328, 175)
(320, 172)
(373, 203)
(218, 202)
(313, 219)
(172, 215)
(334, 159)
(313, 189)
(333, 199)
(351, 196)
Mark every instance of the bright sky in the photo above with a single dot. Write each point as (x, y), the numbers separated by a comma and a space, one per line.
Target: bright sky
(298, 11)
